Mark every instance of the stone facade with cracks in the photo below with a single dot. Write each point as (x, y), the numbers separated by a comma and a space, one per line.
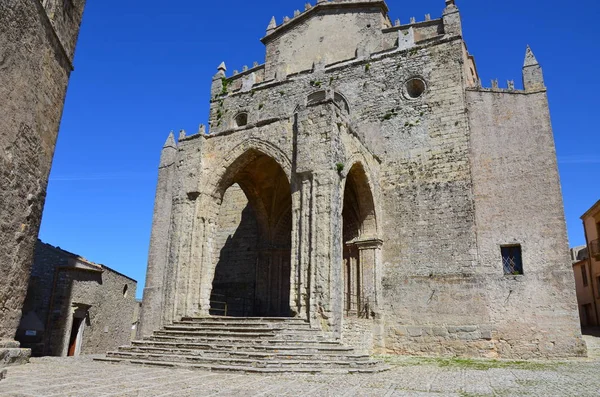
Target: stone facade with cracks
(37, 44)
(364, 180)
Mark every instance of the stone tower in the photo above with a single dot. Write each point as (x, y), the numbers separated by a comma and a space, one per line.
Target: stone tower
(362, 179)
(37, 45)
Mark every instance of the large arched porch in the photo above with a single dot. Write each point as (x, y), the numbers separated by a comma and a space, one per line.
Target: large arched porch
(252, 241)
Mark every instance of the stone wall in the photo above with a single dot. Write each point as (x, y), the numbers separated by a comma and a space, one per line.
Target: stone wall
(518, 201)
(328, 36)
(35, 67)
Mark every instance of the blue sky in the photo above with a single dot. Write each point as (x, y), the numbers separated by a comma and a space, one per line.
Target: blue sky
(145, 68)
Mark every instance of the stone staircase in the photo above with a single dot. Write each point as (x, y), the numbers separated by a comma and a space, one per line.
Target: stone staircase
(257, 345)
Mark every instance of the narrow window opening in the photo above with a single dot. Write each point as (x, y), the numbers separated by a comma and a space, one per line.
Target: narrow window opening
(316, 97)
(125, 289)
(584, 276)
(241, 120)
(512, 260)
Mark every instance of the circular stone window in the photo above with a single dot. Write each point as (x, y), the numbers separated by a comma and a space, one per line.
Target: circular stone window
(415, 88)
(241, 120)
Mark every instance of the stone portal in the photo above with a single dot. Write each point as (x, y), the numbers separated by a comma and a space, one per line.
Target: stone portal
(253, 243)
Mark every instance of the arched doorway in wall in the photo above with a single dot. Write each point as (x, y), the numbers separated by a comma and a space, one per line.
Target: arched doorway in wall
(253, 240)
(359, 235)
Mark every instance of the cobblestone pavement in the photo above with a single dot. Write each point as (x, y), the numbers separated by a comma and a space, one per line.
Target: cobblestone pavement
(409, 377)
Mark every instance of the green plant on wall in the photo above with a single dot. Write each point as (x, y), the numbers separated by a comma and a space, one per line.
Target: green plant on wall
(389, 115)
(339, 167)
(225, 82)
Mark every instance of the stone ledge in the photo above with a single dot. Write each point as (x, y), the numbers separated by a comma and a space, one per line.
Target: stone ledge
(14, 356)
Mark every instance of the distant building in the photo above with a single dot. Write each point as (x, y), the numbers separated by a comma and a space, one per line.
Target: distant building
(587, 269)
(585, 291)
(74, 306)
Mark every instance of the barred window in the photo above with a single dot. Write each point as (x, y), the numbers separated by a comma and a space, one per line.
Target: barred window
(512, 260)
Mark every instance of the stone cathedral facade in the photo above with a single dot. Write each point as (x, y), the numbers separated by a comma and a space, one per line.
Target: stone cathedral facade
(362, 179)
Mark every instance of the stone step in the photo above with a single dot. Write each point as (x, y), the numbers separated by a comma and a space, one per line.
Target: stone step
(265, 345)
(260, 320)
(307, 347)
(236, 361)
(225, 328)
(220, 333)
(247, 369)
(241, 324)
(229, 339)
(277, 354)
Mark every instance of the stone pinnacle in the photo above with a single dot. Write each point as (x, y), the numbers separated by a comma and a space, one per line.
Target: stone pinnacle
(530, 59)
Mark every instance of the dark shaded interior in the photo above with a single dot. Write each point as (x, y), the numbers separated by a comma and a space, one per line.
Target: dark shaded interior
(252, 275)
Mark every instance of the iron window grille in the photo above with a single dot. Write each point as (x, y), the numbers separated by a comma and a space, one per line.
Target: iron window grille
(512, 260)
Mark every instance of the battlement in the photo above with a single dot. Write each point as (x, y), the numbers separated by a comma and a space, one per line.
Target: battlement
(533, 79)
(315, 41)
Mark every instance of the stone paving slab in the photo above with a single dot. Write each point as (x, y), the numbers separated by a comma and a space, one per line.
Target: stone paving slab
(415, 377)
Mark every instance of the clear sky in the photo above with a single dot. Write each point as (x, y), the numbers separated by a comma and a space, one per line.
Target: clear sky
(145, 68)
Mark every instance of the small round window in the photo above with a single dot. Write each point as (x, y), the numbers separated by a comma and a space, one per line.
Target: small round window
(241, 119)
(415, 88)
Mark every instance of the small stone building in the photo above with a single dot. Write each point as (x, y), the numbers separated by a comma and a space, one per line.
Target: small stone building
(364, 180)
(585, 288)
(74, 306)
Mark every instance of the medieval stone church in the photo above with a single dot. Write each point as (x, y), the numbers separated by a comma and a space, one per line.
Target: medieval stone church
(363, 182)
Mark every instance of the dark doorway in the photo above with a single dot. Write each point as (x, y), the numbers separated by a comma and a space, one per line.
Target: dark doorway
(75, 337)
(359, 224)
(253, 241)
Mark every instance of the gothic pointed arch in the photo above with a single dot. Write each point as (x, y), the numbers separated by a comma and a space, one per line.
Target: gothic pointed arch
(251, 274)
(359, 233)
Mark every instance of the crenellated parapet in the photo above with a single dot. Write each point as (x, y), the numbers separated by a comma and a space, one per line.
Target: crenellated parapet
(333, 31)
(533, 79)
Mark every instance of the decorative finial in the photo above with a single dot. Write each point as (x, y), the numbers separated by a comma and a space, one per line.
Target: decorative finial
(286, 19)
(296, 13)
(307, 6)
(236, 72)
(272, 25)
(530, 59)
(181, 135)
(495, 83)
(428, 17)
(413, 20)
(222, 67)
(511, 85)
(170, 142)
(397, 22)
(245, 68)
(255, 64)
(202, 129)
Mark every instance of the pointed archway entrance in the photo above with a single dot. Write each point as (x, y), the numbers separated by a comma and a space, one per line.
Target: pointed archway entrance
(360, 245)
(252, 241)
